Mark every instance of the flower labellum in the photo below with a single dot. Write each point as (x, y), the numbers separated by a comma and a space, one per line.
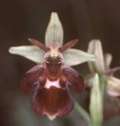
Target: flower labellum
(50, 79)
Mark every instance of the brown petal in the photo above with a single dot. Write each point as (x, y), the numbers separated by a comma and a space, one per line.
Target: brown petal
(39, 44)
(68, 45)
(31, 77)
(53, 102)
(74, 78)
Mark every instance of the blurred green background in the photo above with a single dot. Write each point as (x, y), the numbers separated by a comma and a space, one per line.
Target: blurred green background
(83, 19)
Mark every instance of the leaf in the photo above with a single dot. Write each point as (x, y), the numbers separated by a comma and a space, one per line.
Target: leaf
(54, 32)
(32, 53)
(75, 57)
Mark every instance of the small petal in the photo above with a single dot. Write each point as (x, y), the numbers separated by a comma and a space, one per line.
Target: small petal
(38, 44)
(95, 48)
(108, 60)
(111, 71)
(113, 87)
(75, 57)
(32, 53)
(54, 32)
(68, 45)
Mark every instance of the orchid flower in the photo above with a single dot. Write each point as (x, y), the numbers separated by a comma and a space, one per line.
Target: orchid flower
(101, 79)
(52, 76)
(102, 66)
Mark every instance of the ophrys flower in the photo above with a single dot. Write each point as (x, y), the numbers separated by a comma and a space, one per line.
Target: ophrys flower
(50, 79)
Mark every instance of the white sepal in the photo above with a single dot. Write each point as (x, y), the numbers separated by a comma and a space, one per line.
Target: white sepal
(74, 57)
(54, 32)
(108, 60)
(95, 48)
(32, 53)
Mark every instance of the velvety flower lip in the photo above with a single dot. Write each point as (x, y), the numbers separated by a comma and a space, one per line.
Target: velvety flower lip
(50, 79)
(102, 66)
(52, 102)
(53, 99)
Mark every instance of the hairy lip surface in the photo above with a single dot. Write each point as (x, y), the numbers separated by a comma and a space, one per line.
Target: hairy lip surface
(52, 102)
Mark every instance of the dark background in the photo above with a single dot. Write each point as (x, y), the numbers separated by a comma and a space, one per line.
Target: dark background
(21, 19)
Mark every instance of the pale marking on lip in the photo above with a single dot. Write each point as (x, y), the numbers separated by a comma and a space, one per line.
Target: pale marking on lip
(51, 117)
(52, 84)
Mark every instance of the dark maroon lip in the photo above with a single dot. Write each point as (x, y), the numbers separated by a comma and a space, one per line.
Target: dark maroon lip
(55, 100)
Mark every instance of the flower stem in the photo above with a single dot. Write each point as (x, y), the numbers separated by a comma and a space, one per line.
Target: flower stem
(80, 109)
(96, 101)
(83, 113)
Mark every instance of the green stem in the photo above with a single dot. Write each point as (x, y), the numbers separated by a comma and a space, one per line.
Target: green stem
(83, 113)
(96, 99)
